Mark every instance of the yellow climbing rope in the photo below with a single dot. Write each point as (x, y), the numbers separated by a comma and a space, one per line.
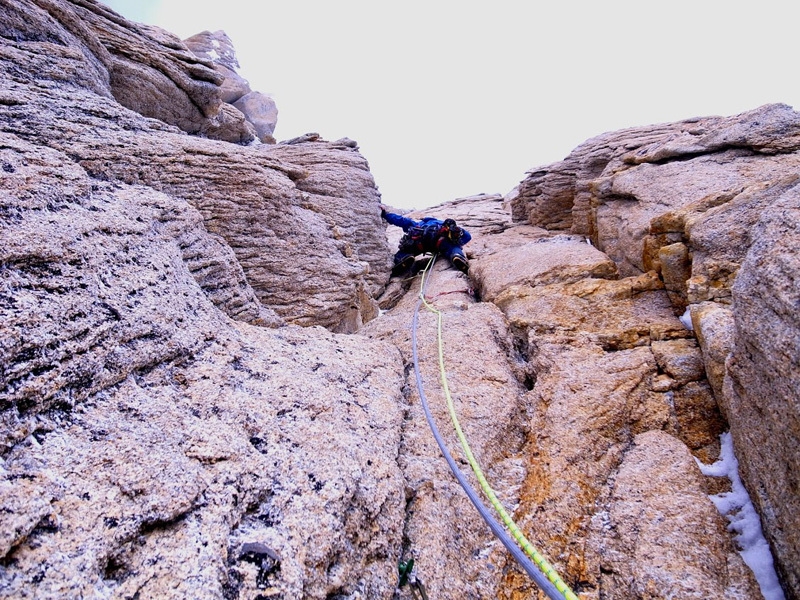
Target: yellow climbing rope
(526, 545)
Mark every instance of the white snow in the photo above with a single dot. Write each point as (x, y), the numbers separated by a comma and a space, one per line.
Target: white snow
(738, 509)
(686, 319)
(213, 54)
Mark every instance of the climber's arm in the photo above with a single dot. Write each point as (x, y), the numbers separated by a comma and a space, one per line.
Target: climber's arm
(399, 220)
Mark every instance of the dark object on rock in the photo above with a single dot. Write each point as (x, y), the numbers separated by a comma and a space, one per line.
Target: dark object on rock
(265, 558)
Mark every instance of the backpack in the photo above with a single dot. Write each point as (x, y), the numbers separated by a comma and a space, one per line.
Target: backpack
(422, 237)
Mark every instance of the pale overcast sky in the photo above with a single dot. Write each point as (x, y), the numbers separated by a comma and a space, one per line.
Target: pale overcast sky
(453, 98)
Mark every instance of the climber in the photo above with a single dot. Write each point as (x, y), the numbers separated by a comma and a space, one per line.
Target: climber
(428, 236)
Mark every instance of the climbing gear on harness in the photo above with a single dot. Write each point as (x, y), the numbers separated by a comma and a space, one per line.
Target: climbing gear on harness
(408, 575)
(547, 579)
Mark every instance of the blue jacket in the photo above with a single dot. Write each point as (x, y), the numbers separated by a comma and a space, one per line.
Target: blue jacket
(405, 223)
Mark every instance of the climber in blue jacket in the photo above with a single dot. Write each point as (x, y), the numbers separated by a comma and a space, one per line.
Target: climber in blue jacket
(431, 236)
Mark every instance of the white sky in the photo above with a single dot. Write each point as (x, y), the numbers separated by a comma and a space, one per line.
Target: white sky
(452, 98)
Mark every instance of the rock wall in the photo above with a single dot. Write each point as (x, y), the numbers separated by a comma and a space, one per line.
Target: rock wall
(711, 206)
(248, 196)
(168, 430)
(186, 412)
(586, 401)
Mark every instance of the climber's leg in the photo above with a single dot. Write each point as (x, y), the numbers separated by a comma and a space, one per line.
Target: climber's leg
(455, 255)
(402, 263)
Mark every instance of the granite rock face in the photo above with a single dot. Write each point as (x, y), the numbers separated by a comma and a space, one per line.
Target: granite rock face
(586, 402)
(149, 439)
(763, 375)
(206, 378)
(168, 429)
(248, 197)
(710, 206)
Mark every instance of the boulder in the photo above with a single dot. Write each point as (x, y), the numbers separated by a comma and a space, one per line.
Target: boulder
(144, 68)
(260, 110)
(218, 48)
(257, 109)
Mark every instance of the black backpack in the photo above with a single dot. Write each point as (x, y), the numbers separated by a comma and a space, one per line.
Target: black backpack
(421, 238)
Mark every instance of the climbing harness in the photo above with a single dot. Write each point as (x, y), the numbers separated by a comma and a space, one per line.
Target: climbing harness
(544, 576)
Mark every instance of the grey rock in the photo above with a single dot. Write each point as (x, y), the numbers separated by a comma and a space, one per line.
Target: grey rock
(763, 376)
(218, 48)
(206, 387)
(260, 110)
